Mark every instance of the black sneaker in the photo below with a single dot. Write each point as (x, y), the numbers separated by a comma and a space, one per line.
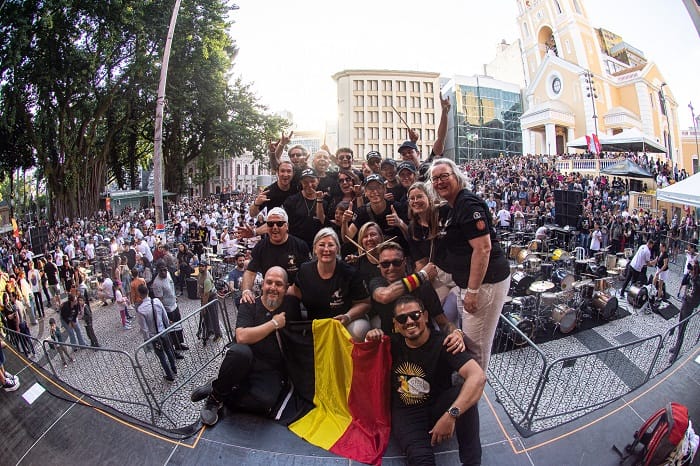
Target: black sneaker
(201, 392)
(169, 378)
(209, 414)
(179, 356)
(182, 347)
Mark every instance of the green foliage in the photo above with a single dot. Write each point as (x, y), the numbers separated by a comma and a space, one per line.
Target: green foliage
(78, 94)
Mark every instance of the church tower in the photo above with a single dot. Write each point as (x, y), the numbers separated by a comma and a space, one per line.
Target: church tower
(560, 28)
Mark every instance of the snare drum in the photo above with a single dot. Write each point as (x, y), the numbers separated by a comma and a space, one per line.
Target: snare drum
(550, 299)
(533, 265)
(637, 296)
(563, 278)
(565, 317)
(522, 256)
(610, 261)
(585, 288)
(601, 284)
(606, 305)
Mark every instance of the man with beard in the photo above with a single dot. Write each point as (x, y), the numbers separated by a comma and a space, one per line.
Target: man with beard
(252, 376)
(278, 248)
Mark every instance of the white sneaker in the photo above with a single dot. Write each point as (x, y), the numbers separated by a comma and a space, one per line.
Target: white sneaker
(11, 384)
(9, 376)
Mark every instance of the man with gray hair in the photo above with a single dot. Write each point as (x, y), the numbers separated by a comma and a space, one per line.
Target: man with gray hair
(277, 248)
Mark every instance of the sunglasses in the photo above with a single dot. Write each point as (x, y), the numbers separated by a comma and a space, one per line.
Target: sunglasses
(278, 224)
(403, 318)
(395, 263)
(344, 180)
(345, 157)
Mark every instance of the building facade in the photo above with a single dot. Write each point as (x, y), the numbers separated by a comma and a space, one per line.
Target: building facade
(484, 118)
(576, 86)
(375, 107)
(230, 174)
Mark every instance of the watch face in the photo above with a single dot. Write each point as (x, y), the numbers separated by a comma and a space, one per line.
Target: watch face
(556, 85)
(453, 411)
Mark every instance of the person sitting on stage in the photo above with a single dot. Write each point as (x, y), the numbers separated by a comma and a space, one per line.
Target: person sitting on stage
(541, 233)
(426, 409)
(252, 376)
(640, 260)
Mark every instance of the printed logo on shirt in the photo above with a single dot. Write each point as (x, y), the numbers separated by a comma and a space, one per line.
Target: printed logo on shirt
(413, 388)
(337, 301)
(480, 225)
(292, 265)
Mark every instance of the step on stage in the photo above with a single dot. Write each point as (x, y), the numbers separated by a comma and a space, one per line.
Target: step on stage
(47, 423)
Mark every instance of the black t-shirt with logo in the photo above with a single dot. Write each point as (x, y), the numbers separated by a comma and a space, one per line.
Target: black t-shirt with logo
(420, 375)
(277, 196)
(469, 219)
(326, 298)
(366, 214)
(303, 221)
(288, 255)
(251, 315)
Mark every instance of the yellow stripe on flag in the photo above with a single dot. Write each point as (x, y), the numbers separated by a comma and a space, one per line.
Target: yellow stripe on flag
(330, 418)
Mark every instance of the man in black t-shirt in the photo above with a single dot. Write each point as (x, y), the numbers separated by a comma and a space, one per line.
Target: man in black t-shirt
(252, 376)
(385, 290)
(275, 194)
(426, 409)
(306, 209)
(277, 248)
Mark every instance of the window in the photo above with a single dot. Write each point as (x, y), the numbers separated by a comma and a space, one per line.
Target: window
(568, 46)
(359, 101)
(373, 85)
(373, 100)
(430, 118)
(416, 117)
(577, 7)
(387, 117)
(360, 149)
(402, 86)
(389, 149)
(428, 87)
(359, 133)
(415, 102)
(429, 102)
(373, 133)
(358, 85)
(386, 85)
(238, 170)
(404, 116)
(359, 117)
(388, 101)
(245, 170)
(402, 101)
(388, 133)
(373, 117)
(415, 86)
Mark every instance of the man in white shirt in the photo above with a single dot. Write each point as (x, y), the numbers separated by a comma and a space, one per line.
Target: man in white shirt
(144, 250)
(634, 270)
(503, 218)
(596, 239)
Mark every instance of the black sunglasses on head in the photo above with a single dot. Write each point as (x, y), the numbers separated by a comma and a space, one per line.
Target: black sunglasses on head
(403, 318)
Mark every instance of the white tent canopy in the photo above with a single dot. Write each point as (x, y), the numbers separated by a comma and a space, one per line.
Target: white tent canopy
(683, 192)
(628, 140)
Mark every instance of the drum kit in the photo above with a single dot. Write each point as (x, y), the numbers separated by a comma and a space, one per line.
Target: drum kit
(552, 290)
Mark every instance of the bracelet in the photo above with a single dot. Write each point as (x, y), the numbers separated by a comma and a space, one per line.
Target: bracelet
(274, 322)
(347, 314)
(472, 291)
(255, 231)
(411, 282)
(249, 291)
(423, 275)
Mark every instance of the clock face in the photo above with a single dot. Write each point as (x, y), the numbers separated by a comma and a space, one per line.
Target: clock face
(556, 85)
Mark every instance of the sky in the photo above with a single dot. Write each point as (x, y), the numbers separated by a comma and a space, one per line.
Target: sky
(290, 49)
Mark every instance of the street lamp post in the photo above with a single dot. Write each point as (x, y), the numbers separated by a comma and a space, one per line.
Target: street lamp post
(592, 93)
(695, 129)
(668, 121)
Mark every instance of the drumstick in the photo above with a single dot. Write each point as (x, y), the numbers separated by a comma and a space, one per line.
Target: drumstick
(401, 118)
(380, 244)
(360, 249)
(432, 244)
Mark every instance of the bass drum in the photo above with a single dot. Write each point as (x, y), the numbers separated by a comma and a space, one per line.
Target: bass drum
(606, 305)
(521, 283)
(522, 256)
(565, 316)
(637, 296)
(525, 325)
(514, 250)
(563, 278)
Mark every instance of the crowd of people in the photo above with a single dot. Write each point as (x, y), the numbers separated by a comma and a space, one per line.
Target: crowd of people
(408, 248)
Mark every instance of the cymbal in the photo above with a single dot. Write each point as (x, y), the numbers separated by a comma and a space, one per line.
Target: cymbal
(541, 286)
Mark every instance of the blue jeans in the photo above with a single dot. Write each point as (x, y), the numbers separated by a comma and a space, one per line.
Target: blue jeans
(72, 331)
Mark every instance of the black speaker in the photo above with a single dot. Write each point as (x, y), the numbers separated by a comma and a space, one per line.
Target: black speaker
(574, 197)
(636, 185)
(39, 240)
(559, 195)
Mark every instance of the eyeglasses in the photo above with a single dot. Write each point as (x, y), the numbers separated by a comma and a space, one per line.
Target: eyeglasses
(344, 180)
(441, 177)
(278, 224)
(403, 318)
(416, 198)
(395, 263)
(345, 157)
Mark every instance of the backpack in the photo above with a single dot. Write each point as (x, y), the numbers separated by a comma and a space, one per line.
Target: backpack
(658, 438)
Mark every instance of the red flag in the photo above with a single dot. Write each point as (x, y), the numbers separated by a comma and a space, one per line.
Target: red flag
(597, 143)
(588, 143)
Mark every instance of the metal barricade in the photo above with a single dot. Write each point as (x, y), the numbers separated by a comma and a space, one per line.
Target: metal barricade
(171, 399)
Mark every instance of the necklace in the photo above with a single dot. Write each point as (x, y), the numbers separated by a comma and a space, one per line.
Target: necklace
(309, 208)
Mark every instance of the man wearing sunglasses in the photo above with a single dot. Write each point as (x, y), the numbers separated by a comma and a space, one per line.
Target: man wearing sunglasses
(426, 409)
(394, 283)
(277, 248)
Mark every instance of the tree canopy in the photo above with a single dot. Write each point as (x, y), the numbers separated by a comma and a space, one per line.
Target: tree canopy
(78, 83)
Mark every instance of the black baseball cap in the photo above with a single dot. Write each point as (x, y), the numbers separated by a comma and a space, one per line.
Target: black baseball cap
(373, 154)
(308, 172)
(373, 177)
(388, 162)
(408, 145)
(406, 166)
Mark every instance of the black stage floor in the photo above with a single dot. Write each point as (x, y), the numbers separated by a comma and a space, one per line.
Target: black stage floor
(62, 431)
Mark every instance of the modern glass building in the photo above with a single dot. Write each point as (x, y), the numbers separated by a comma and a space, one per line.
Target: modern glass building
(484, 120)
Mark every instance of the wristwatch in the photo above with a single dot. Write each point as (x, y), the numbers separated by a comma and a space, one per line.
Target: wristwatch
(454, 412)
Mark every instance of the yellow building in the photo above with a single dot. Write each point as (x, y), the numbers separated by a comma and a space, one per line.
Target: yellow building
(690, 148)
(574, 87)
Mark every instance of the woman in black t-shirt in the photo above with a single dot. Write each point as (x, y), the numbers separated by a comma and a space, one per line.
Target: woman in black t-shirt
(369, 237)
(329, 288)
